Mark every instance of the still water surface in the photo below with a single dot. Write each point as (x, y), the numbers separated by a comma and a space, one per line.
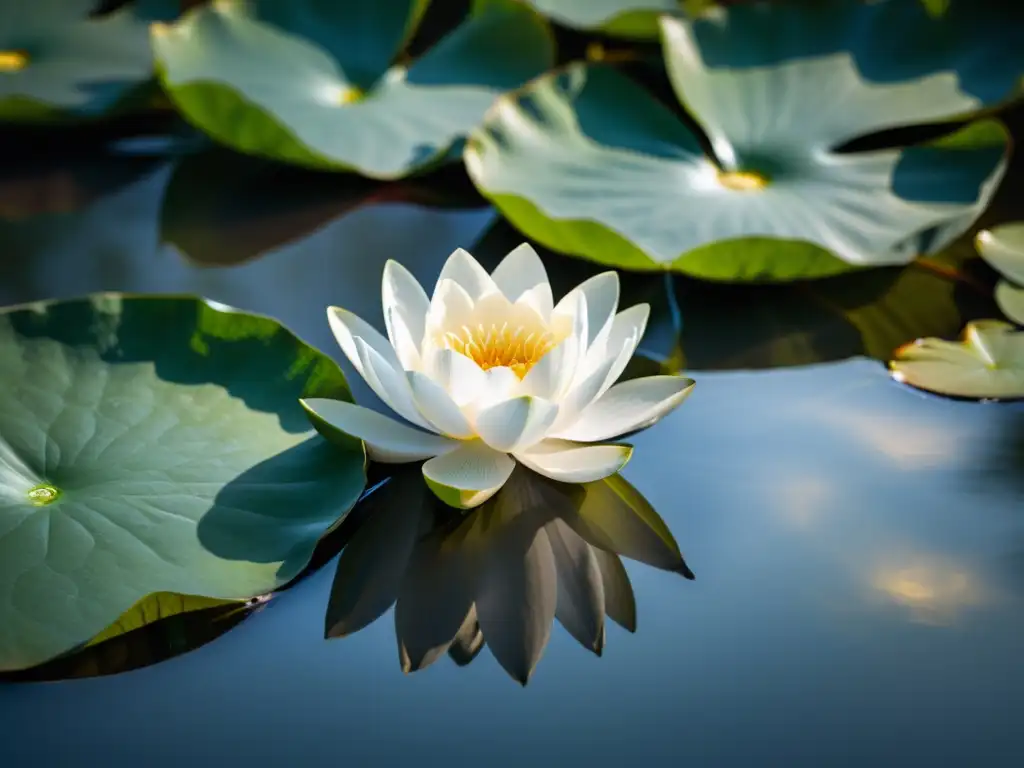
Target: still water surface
(858, 547)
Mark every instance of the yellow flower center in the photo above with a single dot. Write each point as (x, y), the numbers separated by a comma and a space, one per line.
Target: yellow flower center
(742, 181)
(490, 346)
(13, 61)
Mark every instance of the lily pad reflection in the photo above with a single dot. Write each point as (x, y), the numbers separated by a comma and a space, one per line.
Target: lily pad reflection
(502, 573)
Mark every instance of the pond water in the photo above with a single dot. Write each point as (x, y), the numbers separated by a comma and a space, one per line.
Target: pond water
(858, 546)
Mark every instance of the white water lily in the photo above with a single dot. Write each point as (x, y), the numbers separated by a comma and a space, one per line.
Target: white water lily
(490, 371)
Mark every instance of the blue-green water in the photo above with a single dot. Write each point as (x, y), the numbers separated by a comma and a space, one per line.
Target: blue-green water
(858, 546)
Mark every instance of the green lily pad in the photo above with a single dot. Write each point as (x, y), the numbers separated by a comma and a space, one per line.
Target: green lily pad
(56, 61)
(314, 83)
(154, 445)
(588, 163)
(987, 364)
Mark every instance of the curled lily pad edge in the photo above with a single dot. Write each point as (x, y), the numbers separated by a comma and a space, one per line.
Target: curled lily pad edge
(593, 241)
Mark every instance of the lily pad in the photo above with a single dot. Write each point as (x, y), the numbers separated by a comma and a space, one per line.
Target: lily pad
(1003, 248)
(314, 83)
(987, 364)
(154, 445)
(158, 628)
(628, 18)
(1010, 299)
(587, 162)
(56, 61)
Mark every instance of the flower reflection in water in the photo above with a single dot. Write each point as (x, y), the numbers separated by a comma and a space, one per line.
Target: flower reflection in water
(500, 574)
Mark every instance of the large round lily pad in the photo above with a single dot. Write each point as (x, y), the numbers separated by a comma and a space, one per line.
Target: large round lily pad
(314, 83)
(154, 445)
(56, 61)
(589, 163)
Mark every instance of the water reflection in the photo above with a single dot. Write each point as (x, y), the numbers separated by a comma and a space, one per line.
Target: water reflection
(500, 574)
(931, 592)
(155, 642)
(222, 209)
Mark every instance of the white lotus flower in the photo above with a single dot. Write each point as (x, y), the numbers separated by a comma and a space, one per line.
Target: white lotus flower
(489, 371)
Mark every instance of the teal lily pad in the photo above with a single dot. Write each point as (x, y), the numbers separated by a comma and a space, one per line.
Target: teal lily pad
(588, 163)
(315, 83)
(56, 61)
(154, 445)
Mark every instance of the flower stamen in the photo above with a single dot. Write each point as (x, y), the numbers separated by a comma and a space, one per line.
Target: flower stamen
(491, 346)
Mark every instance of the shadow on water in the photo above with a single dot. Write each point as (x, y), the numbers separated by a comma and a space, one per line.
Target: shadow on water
(190, 342)
(271, 487)
(222, 209)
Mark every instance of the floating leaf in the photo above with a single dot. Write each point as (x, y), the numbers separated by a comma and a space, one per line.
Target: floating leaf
(1010, 299)
(588, 163)
(154, 445)
(56, 61)
(628, 18)
(987, 364)
(1003, 248)
(313, 83)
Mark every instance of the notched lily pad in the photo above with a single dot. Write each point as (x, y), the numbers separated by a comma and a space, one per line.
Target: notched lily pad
(56, 61)
(154, 445)
(587, 162)
(314, 83)
(987, 364)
